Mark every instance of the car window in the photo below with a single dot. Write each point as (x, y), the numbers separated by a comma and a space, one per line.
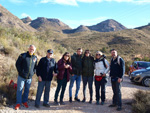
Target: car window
(144, 64)
(135, 65)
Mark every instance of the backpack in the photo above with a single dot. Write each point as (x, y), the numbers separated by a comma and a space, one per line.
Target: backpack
(118, 59)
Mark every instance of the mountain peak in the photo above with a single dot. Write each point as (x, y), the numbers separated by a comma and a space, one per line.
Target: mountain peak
(42, 23)
(81, 28)
(27, 20)
(107, 26)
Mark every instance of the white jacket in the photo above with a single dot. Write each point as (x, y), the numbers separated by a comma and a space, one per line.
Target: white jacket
(99, 67)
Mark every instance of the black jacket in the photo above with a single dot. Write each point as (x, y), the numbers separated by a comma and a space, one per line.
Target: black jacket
(88, 66)
(42, 69)
(26, 65)
(76, 61)
(117, 68)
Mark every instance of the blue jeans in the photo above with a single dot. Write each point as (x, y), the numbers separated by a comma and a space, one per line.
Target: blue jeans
(88, 80)
(20, 85)
(40, 89)
(116, 87)
(61, 84)
(78, 81)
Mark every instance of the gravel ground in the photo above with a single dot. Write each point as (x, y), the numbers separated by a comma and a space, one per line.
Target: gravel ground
(128, 89)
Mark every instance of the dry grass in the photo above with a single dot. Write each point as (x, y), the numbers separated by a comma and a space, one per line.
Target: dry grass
(141, 102)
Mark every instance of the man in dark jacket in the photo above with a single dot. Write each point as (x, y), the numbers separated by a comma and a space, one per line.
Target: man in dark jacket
(26, 65)
(76, 61)
(117, 70)
(45, 74)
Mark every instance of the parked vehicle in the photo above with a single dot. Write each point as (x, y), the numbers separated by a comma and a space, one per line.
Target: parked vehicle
(141, 76)
(136, 65)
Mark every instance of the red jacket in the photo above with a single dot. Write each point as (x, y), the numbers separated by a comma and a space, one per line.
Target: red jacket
(61, 70)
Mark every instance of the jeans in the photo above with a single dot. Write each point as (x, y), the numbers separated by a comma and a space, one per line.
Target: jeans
(78, 81)
(60, 84)
(88, 80)
(20, 85)
(116, 87)
(100, 84)
(40, 89)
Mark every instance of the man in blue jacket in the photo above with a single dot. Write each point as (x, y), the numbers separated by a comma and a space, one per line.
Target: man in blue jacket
(47, 65)
(117, 70)
(26, 66)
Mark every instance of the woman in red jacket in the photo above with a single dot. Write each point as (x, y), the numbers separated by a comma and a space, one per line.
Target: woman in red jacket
(64, 70)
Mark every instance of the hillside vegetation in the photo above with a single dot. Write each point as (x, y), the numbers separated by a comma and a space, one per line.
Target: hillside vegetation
(129, 43)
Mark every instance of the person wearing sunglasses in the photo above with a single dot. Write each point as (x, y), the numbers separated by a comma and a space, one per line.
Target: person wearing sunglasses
(100, 72)
(87, 74)
(64, 72)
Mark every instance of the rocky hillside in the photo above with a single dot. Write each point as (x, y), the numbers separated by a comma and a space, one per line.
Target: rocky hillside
(7, 19)
(26, 20)
(107, 26)
(81, 28)
(145, 28)
(42, 24)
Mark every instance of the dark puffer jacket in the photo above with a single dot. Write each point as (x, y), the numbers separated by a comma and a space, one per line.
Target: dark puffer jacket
(42, 69)
(26, 65)
(76, 61)
(88, 66)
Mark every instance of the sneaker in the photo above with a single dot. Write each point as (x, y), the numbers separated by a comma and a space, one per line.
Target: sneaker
(70, 99)
(25, 104)
(112, 105)
(97, 102)
(83, 100)
(62, 103)
(17, 106)
(37, 106)
(119, 108)
(76, 99)
(46, 105)
(102, 103)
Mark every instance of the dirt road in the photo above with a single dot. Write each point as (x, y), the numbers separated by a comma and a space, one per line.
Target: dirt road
(128, 89)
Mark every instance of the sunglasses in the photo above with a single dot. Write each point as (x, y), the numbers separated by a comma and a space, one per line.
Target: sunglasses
(97, 54)
(67, 55)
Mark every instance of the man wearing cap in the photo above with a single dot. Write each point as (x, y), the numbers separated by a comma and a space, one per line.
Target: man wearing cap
(46, 66)
(26, 67)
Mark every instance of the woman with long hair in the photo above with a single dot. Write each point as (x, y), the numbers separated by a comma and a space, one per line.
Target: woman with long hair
(87, 74)
(64, 70)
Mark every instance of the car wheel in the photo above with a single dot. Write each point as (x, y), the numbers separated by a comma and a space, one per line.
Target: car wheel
(146, 81)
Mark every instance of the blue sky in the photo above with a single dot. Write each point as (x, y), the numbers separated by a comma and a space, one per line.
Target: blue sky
(130, 13)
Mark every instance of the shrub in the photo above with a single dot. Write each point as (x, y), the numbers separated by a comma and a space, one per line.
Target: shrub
(141, 102)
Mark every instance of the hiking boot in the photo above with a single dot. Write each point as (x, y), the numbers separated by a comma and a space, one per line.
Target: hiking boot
(90, 101)
(46, 105)
(83, 100)
(112, 105)
(25, 104)
(56, 103)
(17, 106)
(76, 99)
(62, 103)
(70, 99)
(97, 102)
(37, 106)
(102, 103)
(119, 108)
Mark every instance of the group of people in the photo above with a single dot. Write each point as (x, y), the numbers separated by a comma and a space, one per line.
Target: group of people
(70, 68)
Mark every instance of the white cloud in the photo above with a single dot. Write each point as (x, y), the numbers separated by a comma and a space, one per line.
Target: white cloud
(23, 15)
(75, 2)
(86, 22)
(64, 2)
(17, 1)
